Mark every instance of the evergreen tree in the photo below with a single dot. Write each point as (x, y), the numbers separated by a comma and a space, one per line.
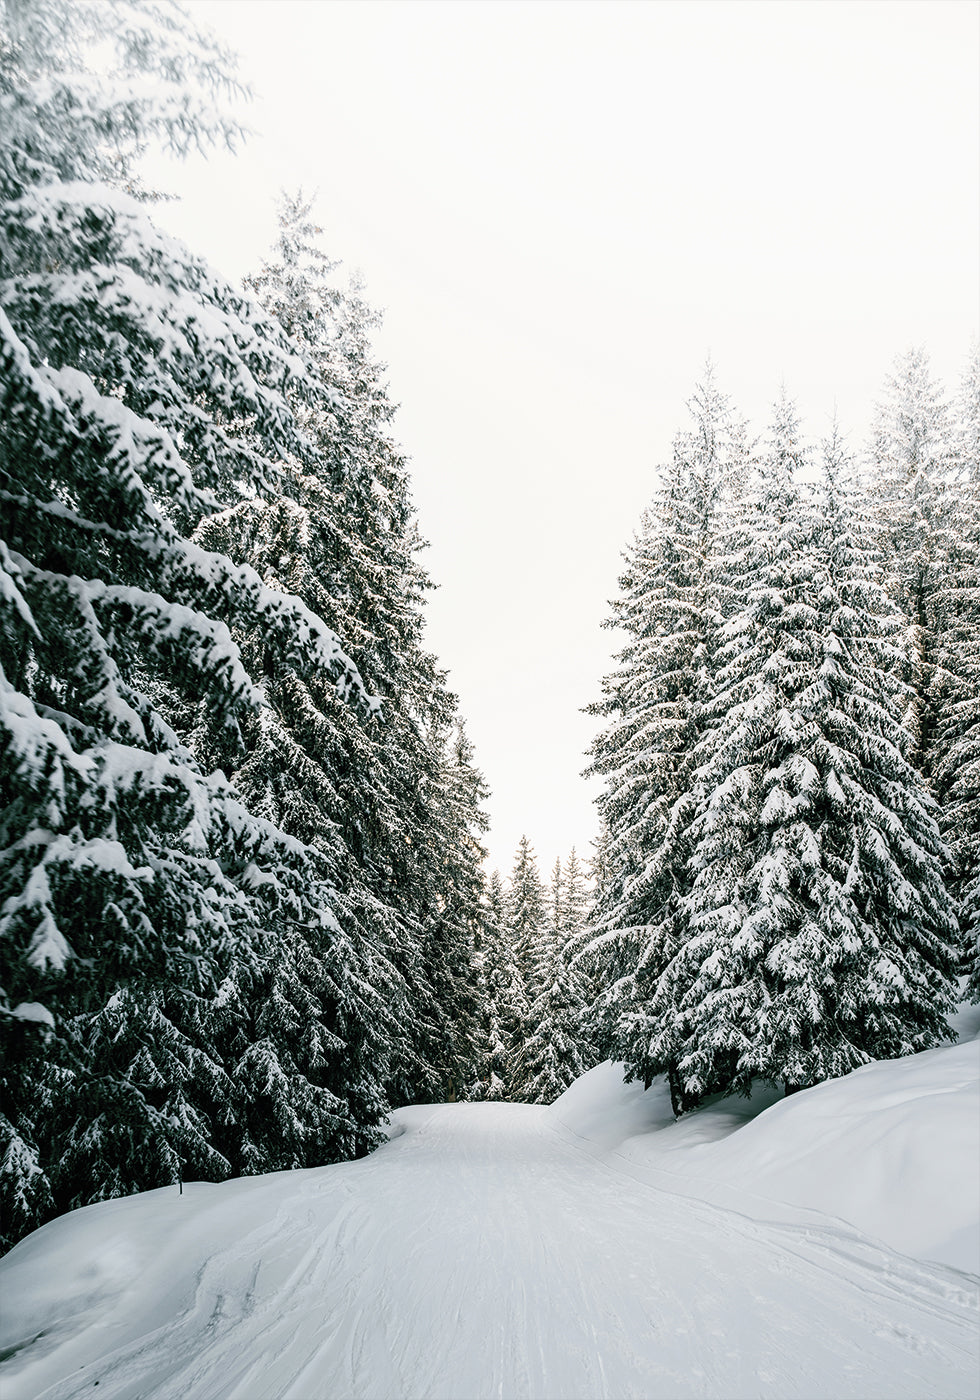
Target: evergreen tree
(966, 428)
(555, 1054)
(554, 922)
(454, 927)
(656, 702)
(500, 1022)
(525, 919)
(575, 904)
(912, 465)
(957, 765)
(587, 949)
(400, 798)
(924, 476)
(526, 914)
(151, 926)
(817, 932)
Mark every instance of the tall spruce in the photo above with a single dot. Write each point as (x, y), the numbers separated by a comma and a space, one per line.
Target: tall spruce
(656, 703)
(555, 1053)
(588, 950)
(817, 932)
(454, 925)
(912, 480)
(388, 796)
(956, 769)
(503, 996)
(526, 915)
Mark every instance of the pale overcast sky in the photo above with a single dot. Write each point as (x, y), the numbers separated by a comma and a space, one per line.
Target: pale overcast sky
(563, 208)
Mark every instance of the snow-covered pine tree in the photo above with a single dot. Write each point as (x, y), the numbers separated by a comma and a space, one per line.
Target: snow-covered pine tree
(818, 932)
(525, 920)
(912, 471)
(924, 479)
(401, 796)
(656, 702)
(586, 950)
(576, 900)
(551, 929)
(956, 769)
(554, 1054)
(454, 922)
(142, 903)
(582, 1054)
(499, 977)
(307, 762)
(966, 426)
(526, 912)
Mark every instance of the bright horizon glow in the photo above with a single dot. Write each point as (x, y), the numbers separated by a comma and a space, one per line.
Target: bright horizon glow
(563, 209)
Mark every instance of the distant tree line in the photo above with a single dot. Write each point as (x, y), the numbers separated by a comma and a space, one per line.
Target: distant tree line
(533, 995)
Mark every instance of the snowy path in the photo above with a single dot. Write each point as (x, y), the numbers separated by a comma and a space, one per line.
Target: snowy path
(481, 1254)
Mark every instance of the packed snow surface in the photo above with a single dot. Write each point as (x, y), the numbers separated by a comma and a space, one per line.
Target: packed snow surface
(893, 1148)
(510, 1251)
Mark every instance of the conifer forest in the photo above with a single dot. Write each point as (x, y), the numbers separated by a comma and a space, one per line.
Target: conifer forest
(245, 909)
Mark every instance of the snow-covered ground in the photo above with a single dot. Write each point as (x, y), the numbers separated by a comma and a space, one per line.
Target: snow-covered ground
(593, 1249)
(893, 1148)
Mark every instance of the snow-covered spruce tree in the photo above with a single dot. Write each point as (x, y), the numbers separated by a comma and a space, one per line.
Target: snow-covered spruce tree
(655, 703)
(501, 1018)
(554, 1054)
(144, 910)
(453, 924)
(525, 920)
(818, 932)
(587, 948)
(551, 928)
(402, 797)
(956, 769)
(573, 932)
(575, 897)
(526, 912)
(912, 471)
(924, 481)
(966, 425)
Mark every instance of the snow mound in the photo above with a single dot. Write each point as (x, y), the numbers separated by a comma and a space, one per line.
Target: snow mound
(79, 1268)
(893, 1148)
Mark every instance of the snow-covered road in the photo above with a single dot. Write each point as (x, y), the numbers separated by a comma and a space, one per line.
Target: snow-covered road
(481, 1253)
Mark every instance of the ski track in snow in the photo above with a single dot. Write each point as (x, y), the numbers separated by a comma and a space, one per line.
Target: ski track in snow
(481, 1254)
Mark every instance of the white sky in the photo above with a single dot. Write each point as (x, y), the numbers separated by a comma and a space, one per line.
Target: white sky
(563, 208)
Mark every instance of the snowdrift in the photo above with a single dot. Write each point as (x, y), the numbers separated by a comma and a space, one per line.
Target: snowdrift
(892, 1148)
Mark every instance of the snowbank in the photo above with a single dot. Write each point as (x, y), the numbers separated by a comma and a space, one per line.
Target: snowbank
(893, 1148)
(76, 1270)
